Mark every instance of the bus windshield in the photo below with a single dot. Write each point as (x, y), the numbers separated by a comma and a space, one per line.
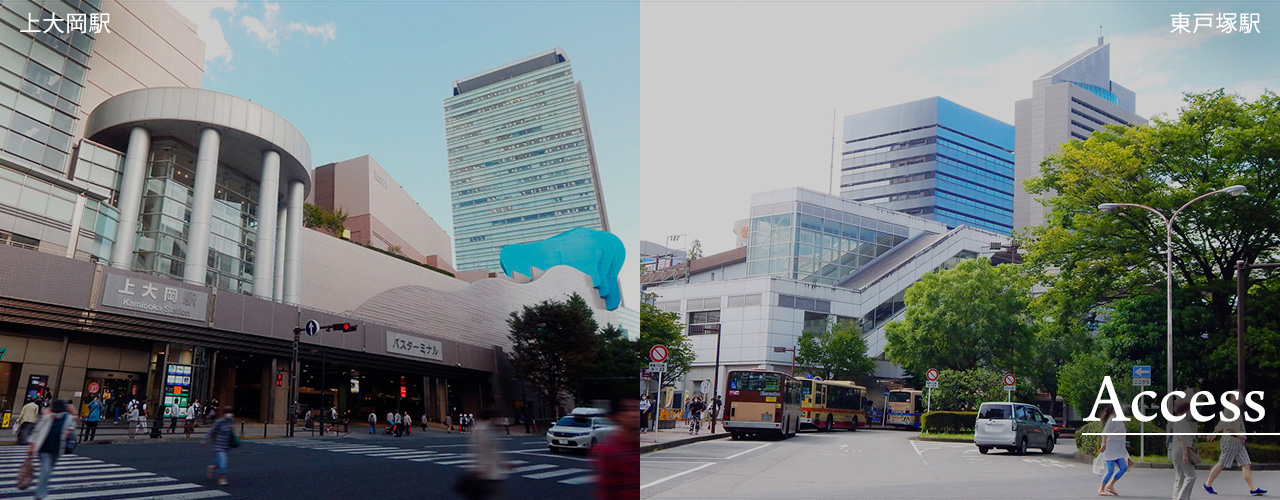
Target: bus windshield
(755, 381)
(806, 387)
(899, 397)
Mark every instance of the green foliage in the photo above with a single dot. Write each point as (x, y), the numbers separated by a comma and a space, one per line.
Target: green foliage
(554, 346)
(407, 259)
(974, 315)
(1090, 259)
(948, 422)
(659, 327)
(1258, 453)
(695, 251)
(615, 367)
(965, 390)
(318, 218)
(837, 354)
(1090, 444)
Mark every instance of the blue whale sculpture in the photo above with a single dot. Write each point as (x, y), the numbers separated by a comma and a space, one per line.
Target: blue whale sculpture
(597, 254)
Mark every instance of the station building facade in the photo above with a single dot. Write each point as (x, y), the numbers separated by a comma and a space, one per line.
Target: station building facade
(812, 259)
(160, 254)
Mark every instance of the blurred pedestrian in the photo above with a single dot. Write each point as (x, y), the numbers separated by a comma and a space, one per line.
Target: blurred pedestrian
(1233, 449)
(484, 480)
(524, 420)
(617, 457)
(448, 424)
(27, 419)
(173, 418)
(1112, 452)
(424, 422)
(49, 439)
(408, 424)
(222, 437)
(91, 420)
(373, 423)
(189, 423)
(1182, 451)
(397, 424)
(644, 412)
(715, 412)
(134, 422)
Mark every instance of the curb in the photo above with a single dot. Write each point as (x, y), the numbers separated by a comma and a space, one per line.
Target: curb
(947, 440)
(1088, 459)
(679, 442)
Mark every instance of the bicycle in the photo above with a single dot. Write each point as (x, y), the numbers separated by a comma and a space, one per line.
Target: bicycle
(695, 424)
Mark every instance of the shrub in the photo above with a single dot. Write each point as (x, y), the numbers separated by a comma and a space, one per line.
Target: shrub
(1258, 453)
(949, 422)
(1090, 444)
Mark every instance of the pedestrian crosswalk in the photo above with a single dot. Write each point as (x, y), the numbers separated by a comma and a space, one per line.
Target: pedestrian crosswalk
(520, 468)
(82, 478)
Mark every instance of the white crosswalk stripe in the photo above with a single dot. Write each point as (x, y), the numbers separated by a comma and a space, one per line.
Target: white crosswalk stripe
(82, 478)
(465, 460)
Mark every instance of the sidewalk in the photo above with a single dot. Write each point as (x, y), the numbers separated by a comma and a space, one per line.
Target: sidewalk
(670, 438)
(112, 433)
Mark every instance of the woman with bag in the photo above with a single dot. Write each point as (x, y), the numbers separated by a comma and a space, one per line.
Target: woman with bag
(1112, 452)
(54, 435)
(223, 437)
(27, 419)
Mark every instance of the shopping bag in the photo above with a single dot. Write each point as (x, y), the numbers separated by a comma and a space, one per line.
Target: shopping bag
(70, 447)
(235, 440)
(26, 473)
(1099, 466)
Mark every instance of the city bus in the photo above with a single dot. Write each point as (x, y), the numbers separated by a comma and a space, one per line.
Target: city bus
(833, 404)
(760, 402)
(905, 408)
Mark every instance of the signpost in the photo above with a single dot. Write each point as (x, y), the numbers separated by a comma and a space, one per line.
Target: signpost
(931, 383)
(1009, 383)
(312, 328)
(1142, 378)
(658, 354)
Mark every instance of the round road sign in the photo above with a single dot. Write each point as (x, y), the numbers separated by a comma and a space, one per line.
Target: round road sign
(312, 328)
(93, 387)
(931, 374)
(658, 353)
(705, 386)
(1008, 379)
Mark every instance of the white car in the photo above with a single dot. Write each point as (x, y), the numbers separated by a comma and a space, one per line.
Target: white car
(580, 431)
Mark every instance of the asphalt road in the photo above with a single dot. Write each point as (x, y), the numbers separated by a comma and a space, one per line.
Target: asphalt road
(884, 464)
(359, 466)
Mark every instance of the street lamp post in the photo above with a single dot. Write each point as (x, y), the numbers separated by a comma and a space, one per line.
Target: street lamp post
(793, 357)
(1235, 190)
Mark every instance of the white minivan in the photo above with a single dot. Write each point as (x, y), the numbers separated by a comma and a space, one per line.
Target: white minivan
(1012, 426)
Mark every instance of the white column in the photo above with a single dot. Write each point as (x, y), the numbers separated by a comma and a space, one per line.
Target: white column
(293, 246)
(77, 218)
(135, 173)
(197, 261)
(264, 250)
(282, 226)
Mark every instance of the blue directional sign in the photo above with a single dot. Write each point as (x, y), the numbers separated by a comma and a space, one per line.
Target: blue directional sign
(1142, 371)
(886, 391)
(312, 328)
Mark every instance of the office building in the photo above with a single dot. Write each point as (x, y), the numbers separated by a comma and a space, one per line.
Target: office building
(379, 211)
(812, 259)
(1069, 102)
(522, 167)
(932, 158)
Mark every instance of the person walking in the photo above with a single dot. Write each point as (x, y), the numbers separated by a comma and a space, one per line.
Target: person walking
(189, 423)
(484, 480)
(27, 419)
(524, 420)
(373, 423)
(399, 424)
(1182, 451)
(644, 412)
(174, 410)
(91, 420)
(424, 422)
(49, 440)
(220, 436)
(408, 424)
(1233, 449)
(134, 421)
(391, 421)
(448, 424)
(617, 458)
(1112, 451)
(714, 414)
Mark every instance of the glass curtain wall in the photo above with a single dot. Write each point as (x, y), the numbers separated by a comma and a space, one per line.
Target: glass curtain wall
(815, 244)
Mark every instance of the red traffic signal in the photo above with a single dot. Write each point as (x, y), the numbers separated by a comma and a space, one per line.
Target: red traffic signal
(403, 392)
(343, 327)
(279, 379)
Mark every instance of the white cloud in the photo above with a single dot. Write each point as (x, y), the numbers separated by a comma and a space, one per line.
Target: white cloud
(208, 28)
(267, 29)
(325, 32)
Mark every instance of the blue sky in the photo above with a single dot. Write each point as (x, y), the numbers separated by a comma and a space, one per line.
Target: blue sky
(756, 82)
(369, 77)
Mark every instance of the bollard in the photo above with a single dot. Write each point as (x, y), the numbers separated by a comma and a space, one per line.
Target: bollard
(242, 427)
(264, 429)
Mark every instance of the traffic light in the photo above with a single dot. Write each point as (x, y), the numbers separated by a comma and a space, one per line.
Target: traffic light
(344, 327)
(279, 379)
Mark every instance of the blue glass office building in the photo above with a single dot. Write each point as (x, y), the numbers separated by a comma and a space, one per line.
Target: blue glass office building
(521, 163)
(932, 158)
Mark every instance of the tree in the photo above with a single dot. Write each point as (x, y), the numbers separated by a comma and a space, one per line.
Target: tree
(974, 315)
(837, 354)
(1092, 259)
(395, 250)
(554, 346)
(659, 327)
(695, 251)
(334, 222)
(965, 390)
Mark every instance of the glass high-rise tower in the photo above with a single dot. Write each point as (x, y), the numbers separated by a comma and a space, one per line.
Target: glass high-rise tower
(521, 164)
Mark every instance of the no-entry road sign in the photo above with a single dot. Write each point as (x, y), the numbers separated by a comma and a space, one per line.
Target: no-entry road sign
(931, 374)
(1009, 381)
(658, 353)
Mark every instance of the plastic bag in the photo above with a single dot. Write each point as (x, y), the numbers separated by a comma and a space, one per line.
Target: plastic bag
(1099, 466)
